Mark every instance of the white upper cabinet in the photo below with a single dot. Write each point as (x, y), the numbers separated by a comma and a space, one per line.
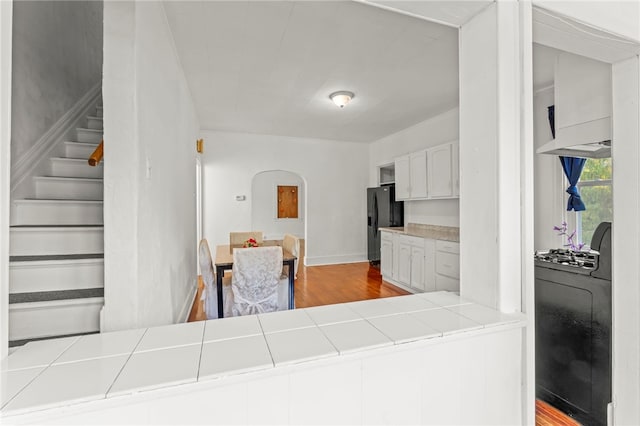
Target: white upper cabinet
(440, 166)
(411, 176)
(418, 171)
(403, 178)
(428, 174)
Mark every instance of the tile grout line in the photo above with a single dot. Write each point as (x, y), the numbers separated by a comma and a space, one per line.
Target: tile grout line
(39, 374)
(266, 342)
(204, 328)
(125, 364)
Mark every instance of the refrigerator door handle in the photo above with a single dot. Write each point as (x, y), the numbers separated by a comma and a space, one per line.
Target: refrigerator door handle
(375, 214)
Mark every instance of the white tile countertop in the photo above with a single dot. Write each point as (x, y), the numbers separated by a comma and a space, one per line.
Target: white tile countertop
(436, 232)
(61, 372)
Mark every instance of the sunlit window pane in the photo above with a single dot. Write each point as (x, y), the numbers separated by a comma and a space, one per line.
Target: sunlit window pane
(599, 202)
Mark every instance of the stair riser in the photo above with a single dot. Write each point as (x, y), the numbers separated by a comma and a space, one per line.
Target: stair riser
(33, 242)
(57, 214)
(45, 319)
(94, 123)
(64, 168)
(29, 277)
(68, 190)
(88, 136)
(76, 150)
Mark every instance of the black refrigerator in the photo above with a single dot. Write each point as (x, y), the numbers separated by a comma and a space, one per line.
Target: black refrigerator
(382, 211)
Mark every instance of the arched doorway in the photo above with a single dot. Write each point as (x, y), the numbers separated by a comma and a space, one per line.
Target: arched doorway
(267, 214)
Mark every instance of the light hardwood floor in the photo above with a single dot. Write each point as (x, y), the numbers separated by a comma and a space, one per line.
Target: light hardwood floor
(329, 284)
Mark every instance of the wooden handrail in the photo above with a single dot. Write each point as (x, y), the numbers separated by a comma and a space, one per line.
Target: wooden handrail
(95, 158)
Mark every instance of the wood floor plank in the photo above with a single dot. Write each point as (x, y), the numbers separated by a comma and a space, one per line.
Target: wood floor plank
(547, 415)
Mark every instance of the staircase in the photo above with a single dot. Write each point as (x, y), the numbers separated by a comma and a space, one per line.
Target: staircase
(56, 264)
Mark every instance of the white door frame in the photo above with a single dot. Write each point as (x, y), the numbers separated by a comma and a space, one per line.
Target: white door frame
(598, 44)
(6, 25)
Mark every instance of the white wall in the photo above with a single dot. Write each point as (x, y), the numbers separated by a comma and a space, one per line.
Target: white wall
(433, 131)
(264, 205)
(490, 158)
(548, 178)
(149, 195)
(335, 173)
(5, 169)
(57, 58)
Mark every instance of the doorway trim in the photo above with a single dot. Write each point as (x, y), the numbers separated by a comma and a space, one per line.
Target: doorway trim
(572, 36)
(6, 28)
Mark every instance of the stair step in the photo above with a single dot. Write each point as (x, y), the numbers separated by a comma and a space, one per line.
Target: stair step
(48, 296)
(67, 188)
(75, 167)
(29, 274)
(89, 135)
(56, 240)
(56, 212)
(33, 320)
(82, 150)
(94, 122)
(99, 111)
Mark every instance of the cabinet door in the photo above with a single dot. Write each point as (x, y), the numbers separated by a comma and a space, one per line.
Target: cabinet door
(439, 168)
(403, 178)
(429, 264)
(417, 268)
(404, 263)
(386, 258)
(418, 170)
(447, 283)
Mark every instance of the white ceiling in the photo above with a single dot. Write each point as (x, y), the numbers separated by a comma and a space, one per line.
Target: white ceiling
(269, 67)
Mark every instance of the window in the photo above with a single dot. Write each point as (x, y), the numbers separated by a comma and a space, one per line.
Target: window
(287, 202)
(596, 192)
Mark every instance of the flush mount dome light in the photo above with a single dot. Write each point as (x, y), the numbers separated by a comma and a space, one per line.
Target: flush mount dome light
(341, 98)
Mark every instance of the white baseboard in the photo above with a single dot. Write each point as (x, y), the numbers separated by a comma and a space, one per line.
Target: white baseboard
(188, 303)
(36, 157)
(334, 260)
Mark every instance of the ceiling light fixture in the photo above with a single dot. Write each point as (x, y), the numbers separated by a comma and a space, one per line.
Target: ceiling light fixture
(341, 98)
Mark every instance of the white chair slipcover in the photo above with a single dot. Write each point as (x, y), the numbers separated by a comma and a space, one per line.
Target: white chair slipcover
(255, 280)
(291, 243)
(209, 292)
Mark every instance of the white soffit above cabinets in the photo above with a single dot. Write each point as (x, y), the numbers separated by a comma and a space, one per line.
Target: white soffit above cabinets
(269, 67)
(555, 30)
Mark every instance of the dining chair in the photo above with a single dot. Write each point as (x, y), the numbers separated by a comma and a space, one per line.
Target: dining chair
(209, 293)
(237, 238)
(291, 243)
(255, 281)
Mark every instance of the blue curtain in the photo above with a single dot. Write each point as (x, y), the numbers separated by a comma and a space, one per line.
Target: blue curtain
(572, 169)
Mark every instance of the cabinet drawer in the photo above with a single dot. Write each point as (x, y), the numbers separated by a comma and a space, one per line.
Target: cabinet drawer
(448, 246)
(448, 264)
(412, 241)
(386, 236)
(447, 283)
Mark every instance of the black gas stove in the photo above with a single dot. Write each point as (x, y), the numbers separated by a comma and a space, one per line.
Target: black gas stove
(595, 262)
(573, 328)
(583, 260)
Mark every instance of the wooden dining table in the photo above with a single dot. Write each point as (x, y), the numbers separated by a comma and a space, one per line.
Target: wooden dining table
(224, 262)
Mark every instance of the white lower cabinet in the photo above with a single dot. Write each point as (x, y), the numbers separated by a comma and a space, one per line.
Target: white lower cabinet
(409, 262)
(386, 254)
(447, 266)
